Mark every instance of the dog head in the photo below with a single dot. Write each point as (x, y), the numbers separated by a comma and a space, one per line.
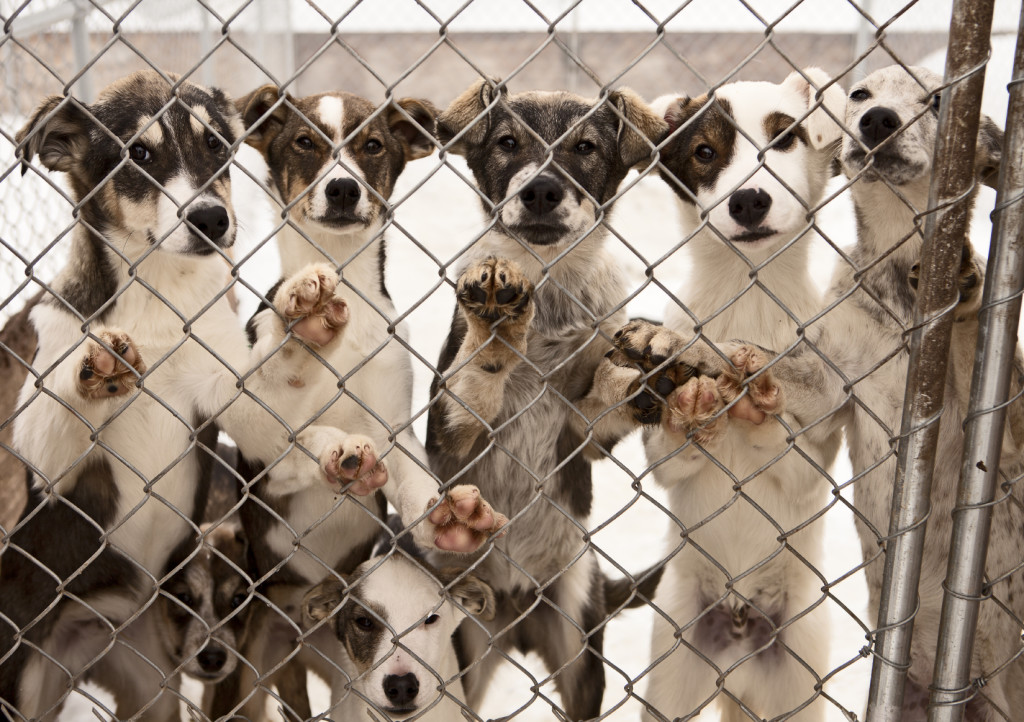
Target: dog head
(893, 117)
(755, 157)
(154, 156)
(203, 612)
(396, 622)
(548, 160)
(335, 156)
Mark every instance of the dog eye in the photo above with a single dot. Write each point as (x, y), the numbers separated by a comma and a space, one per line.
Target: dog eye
(213, 142)
(140, 153)
(373, 146)
(507, 143)
(585, 147)
(783, 142)
(705, 153)
(238, 600)
(364, 623)
(185, 598)
(431, 619)
(860, 94)
(936, 101)
(304, 142)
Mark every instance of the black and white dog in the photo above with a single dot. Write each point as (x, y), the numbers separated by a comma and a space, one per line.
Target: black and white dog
(137, 348)
(538, 300)
(332, 161)
(748, 166)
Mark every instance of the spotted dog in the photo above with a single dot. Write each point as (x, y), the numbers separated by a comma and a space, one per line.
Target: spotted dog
(538, 298)
(137, 349)
(333, 160)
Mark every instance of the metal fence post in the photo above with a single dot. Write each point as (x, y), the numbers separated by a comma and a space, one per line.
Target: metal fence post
(990, 387)
(945, 229)
(80, 48)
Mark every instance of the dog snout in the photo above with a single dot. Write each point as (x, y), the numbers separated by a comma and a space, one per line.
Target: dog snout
(212, 659)
(343, 194)
(878, 124)
(748, 207)
(212, 221)
(401, 690)
(541, 195)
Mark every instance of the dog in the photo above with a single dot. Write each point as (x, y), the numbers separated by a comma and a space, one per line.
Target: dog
(748, 166)
(142, 299)
(394, 618)
(538, 298)
(333, 160)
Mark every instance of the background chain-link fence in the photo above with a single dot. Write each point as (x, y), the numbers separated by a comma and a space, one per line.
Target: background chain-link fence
(434, 50)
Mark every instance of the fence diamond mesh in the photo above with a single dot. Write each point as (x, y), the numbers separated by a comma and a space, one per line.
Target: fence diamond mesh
(385, 382)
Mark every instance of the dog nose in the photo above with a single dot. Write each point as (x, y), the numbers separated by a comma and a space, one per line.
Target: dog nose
(878, 124)
(212, 659)
(211, 221)
(401, 690)
(343, 194)
(541, 195)
(748, 207)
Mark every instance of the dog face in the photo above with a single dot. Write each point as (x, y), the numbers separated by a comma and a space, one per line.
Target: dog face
(549, 160)
(335, 156)
(893, 116)
(202, 620)
(156, 158)
(755, 158)
(396, 624)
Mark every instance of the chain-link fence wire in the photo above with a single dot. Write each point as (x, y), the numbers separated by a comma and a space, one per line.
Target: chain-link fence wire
(438, 67)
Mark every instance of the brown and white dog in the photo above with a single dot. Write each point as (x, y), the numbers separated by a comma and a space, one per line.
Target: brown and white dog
(143, 297)
(332, 161)
(539, 297)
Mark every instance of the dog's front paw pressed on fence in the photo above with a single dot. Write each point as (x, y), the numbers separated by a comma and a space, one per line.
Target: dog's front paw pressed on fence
(764, 394)
(111, 365)
(970, 283)
(463, 520)
(308, 298)
(353, 462)
(493, 289)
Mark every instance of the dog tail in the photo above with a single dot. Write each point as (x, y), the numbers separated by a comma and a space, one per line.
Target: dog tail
(625, 593)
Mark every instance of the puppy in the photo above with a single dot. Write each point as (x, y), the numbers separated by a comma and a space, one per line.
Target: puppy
(748, 166)
(395, 619)
(538, 298)
(333, 160)
(142, 299)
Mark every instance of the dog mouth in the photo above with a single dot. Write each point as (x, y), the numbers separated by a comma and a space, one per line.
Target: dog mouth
(540, 234)
(884, 165)
(400, 711)
(753, 235)
(342, 220)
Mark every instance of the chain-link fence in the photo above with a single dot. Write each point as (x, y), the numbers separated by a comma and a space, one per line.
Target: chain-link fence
(206, 519)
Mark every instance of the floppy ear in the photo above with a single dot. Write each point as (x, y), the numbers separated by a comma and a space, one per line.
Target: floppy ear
(640, 127)
(323, 599)
(989, 155)
(58, 133)
(823, 130)
(464, 116)
(470, 592)
(417, 137)
(253, 107)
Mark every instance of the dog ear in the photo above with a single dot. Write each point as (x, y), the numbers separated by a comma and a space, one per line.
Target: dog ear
(989, 155)
(58, 133)
(472, 593)
(324, 598)
(823, 130)
(640, 128)
(467, 115)
(253, 107)
(417, 137)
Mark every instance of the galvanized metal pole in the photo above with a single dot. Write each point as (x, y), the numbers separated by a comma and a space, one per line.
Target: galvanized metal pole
(990, 388)
(945, 229)
(80, 49)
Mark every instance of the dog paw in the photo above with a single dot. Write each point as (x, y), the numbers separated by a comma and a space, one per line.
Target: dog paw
(463, 520)
(353, 465)
(111, 365)
(764, 394)
(696, 407)
(493, 289)
(308, 298)
(970, 282)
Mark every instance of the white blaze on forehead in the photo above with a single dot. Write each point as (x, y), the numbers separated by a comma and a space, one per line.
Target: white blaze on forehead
(331, 114)
(198, 116)
(153, 135)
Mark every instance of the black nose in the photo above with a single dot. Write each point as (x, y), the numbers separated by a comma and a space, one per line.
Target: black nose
(212, 659)
(211, 221)
(541, 195)
(401, 691)
(749, 207)
(343, 194)
(878, 124)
